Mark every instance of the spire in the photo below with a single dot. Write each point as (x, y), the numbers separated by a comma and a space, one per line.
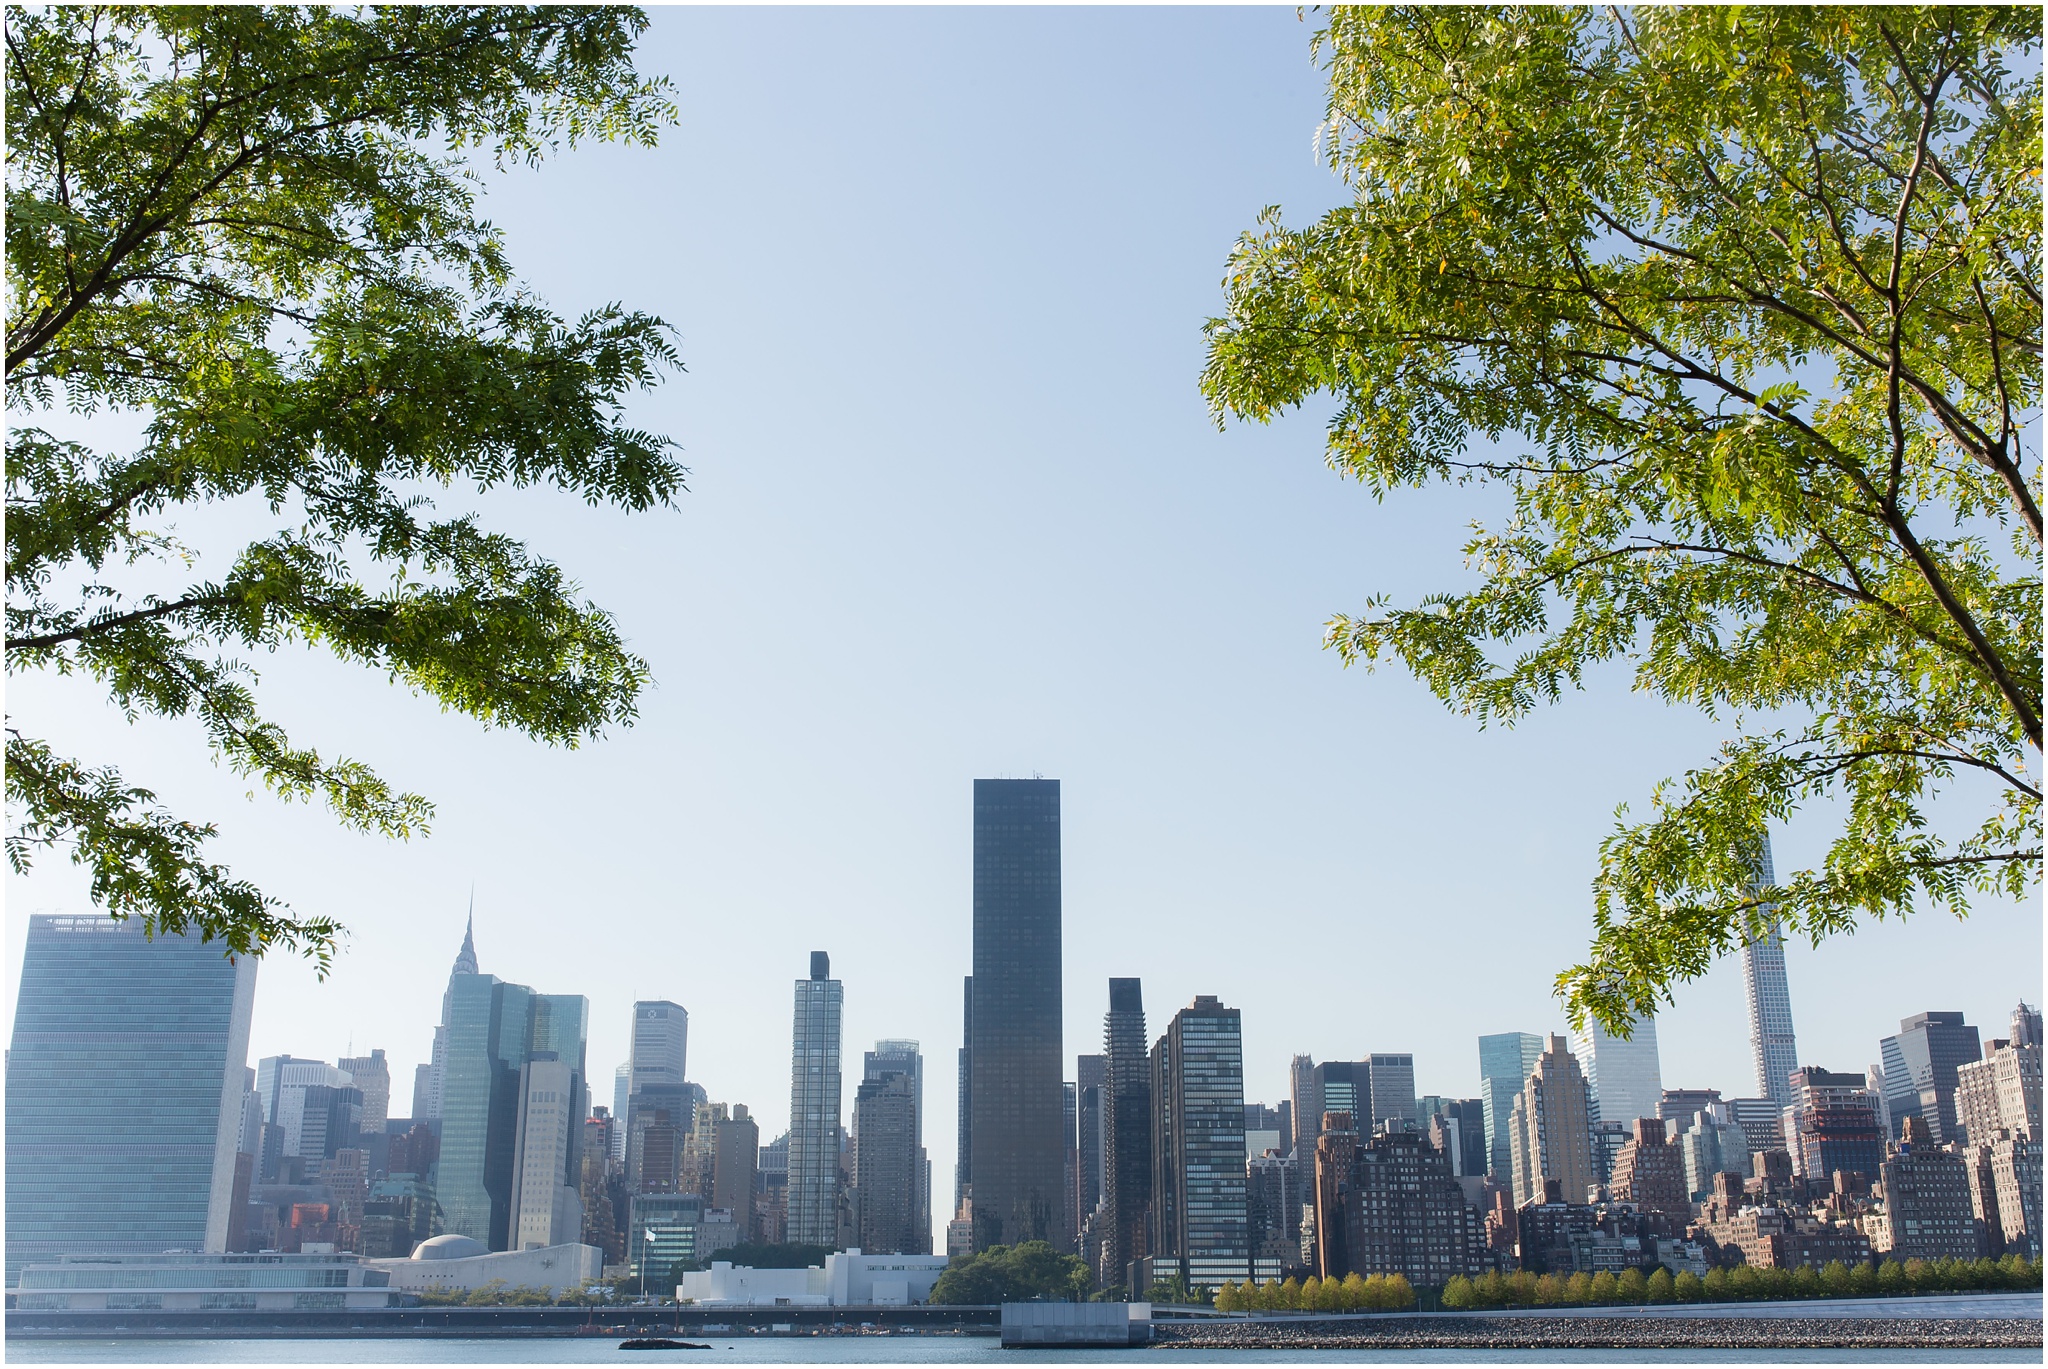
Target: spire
(465, 959)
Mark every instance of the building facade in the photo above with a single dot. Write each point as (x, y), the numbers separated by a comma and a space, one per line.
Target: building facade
(1920, 1065)
(1832, 1124)
(888, 1165)
(1773, 1045)
(814, 1109)
(1551, 1130)
(1200, 1227)
(1650, 1173)
(1391, 1080)
(2001, 1092)
(1089, 1073)
(1623, 1075)
(125, 1079)
(1126, 1133)
(1926, 1194)
(1399, 1210)
(1506, 1060)
(1019, 1153)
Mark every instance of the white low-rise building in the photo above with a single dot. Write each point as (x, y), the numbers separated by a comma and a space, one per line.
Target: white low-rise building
(184, 1282)
(847, 1279)
(457, 1264)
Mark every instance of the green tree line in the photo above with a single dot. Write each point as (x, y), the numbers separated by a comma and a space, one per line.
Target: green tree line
(1892, 1278)
(1352, 1293)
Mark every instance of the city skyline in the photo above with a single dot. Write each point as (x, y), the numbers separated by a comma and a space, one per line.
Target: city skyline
(1207, 797)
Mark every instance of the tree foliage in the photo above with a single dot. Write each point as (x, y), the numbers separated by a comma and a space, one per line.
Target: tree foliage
(1740, 310)
(2012, 1273)
(1026, 1272)
(255, 230)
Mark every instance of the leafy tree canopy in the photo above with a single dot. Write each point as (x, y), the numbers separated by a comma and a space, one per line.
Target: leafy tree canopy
(1740, 308)
(255, 228)
(1026, 1272)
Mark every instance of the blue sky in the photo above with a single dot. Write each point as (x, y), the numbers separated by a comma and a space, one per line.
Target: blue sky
(957, 510)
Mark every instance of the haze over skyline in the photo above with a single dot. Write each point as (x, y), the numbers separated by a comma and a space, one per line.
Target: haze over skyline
(957, 511)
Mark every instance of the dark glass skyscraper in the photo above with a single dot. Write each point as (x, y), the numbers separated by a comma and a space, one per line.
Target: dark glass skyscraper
(1200, 1227)
(1018, 1160)
(1126, 1132)
(124, 1090)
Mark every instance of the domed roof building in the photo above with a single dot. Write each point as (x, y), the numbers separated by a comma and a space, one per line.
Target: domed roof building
(452, 1246)
(457, 1263)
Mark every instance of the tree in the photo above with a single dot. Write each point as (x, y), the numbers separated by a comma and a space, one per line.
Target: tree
(232, 224)
(1687, 1287)
(1661, 1288)
(1025, 1272)
(1739, 311)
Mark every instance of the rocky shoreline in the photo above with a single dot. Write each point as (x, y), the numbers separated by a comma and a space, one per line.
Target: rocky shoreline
(1609, 1333)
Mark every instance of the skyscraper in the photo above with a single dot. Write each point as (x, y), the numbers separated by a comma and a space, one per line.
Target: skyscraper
(1201, 1227)
(887, 1165)
(1505, 1062)
(1920, 1066)
(372, 1075)
(1552, 1129)
(1772, 1043)
(963, 1149)
(656, 1082)
(1126, 1132)
(437, 1068)
(890, 1059)
(661, 1039)
(1831, 1124)
(554, 1098)
(125, 1080)
(814, 1082)
(1624, 1075)
(622, 1093)
(1019, 1156)
(1346, 1086)
(1306, 1095)
(490, 1032)
(1393, 1090)
(1088, 1077)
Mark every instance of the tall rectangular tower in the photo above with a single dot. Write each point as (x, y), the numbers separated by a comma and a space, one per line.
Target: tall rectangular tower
(1201, 1221)
(1626, 1079)
(1772, 1043)
(1920, 1066)
(1506, 1060)
(1391, 1080)
(814, 1107)
(888, 1059)
(124, 1090)
(1126, 1132)
(1019, 1157)
(661, 1040)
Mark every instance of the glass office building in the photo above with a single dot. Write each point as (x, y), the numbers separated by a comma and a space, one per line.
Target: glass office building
(1019, 1160)
(1198, 1172)
(494, 1029)
(814, 1107)
(1506, 1060)
(124, 1091)
(1625, 1075)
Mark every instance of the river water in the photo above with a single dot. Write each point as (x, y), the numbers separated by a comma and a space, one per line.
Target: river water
(914, 1350)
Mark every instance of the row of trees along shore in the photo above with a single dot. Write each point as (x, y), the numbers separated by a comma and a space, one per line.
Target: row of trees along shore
(1393, 1293)
(1352, 1293)
(1744, 1284)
